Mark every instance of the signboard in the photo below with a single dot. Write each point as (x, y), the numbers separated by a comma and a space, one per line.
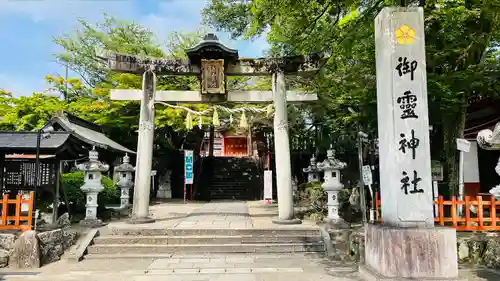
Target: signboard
(437, 170)
(268, 185)
(463, 145)
(188, 167)
(153, 173)
(367, 175)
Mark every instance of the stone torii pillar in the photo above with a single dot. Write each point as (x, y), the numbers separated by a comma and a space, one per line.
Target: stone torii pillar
(144, 162)
(212, 62)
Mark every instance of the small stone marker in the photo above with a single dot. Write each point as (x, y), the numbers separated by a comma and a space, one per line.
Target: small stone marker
(26, 251)
(403, 122)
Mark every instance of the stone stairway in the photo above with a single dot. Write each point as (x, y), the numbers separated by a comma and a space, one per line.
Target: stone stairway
(234, 178)
(161, 243)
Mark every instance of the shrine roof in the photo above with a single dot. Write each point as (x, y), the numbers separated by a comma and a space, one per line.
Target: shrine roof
(211, 48)
(26, 141)
(86, 132)
(481, 114)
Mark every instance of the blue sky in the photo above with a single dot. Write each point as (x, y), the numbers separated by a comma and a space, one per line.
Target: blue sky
(28, 27)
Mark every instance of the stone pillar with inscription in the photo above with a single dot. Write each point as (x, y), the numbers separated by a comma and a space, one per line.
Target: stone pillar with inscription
(406, 246)
(92, 186)
(142, 184)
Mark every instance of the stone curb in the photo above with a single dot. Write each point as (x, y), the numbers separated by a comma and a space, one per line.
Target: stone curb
(77, 253)
(330, 251)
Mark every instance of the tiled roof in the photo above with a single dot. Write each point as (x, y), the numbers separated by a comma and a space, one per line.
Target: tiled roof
(87, 135)
(27, 140)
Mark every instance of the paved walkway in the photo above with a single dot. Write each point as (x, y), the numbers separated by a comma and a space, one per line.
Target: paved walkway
(210, 267)
(218, 214)
(213, 267)
(217, 267)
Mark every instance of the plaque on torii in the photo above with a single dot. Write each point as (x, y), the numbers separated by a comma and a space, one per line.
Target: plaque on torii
(212, 57)
(212, 62)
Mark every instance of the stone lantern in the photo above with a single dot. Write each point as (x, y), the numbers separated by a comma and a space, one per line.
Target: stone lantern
(331, 168)
(92, 186)
(165, 189)
(125, 183)
(312, 171)
(495, 191)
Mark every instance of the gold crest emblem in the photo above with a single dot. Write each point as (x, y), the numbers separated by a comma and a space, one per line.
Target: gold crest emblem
(405, 35)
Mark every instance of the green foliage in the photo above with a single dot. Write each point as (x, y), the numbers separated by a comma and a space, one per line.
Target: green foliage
(111, 34)
(72, 182)
(461, 45)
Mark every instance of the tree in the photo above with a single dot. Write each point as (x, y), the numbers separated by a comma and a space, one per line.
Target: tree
(461, 60)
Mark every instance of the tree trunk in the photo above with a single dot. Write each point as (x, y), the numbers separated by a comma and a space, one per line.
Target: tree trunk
(453, 128)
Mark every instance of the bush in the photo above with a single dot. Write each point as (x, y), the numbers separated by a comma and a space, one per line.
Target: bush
(72, 182)
(313, 195)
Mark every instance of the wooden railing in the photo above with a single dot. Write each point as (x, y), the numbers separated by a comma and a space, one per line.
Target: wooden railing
(16, 221)
(483, 218)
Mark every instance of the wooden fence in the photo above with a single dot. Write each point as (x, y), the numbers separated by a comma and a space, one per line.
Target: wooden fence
(478, 214)
(16, 221)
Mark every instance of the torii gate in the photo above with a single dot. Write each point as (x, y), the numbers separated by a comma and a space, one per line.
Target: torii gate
(212, 62)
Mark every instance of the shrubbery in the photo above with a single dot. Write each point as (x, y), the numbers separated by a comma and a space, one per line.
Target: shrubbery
(72, 182)
(313, 195)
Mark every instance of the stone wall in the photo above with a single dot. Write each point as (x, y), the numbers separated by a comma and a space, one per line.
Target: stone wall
(348, 244)
(473, 248)
(50, 246)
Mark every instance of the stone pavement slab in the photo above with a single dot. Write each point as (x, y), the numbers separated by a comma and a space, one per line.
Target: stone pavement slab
(218, 214)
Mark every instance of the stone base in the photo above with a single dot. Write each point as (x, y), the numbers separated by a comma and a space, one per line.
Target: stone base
(92, 223)
(336, 223)
(396, 253)
(368, 274)
(291, 221)
(140, 220)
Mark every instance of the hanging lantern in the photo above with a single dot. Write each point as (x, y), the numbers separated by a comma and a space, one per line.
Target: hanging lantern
(189, 121)
(243, 121)
(215, 119)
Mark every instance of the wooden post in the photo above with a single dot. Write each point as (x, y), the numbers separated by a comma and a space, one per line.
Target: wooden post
(5, 203)
(55, 201)
(18, 209)
(30, 209)
(2, 167)
(441, 211)
(467, 211)
(211, 141)
(493, 212)
(480, 212)
(454, 211)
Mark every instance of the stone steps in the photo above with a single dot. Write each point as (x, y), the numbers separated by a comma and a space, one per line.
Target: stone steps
(159, 243)
(205, 248)
(217, 239)
(266, 232)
